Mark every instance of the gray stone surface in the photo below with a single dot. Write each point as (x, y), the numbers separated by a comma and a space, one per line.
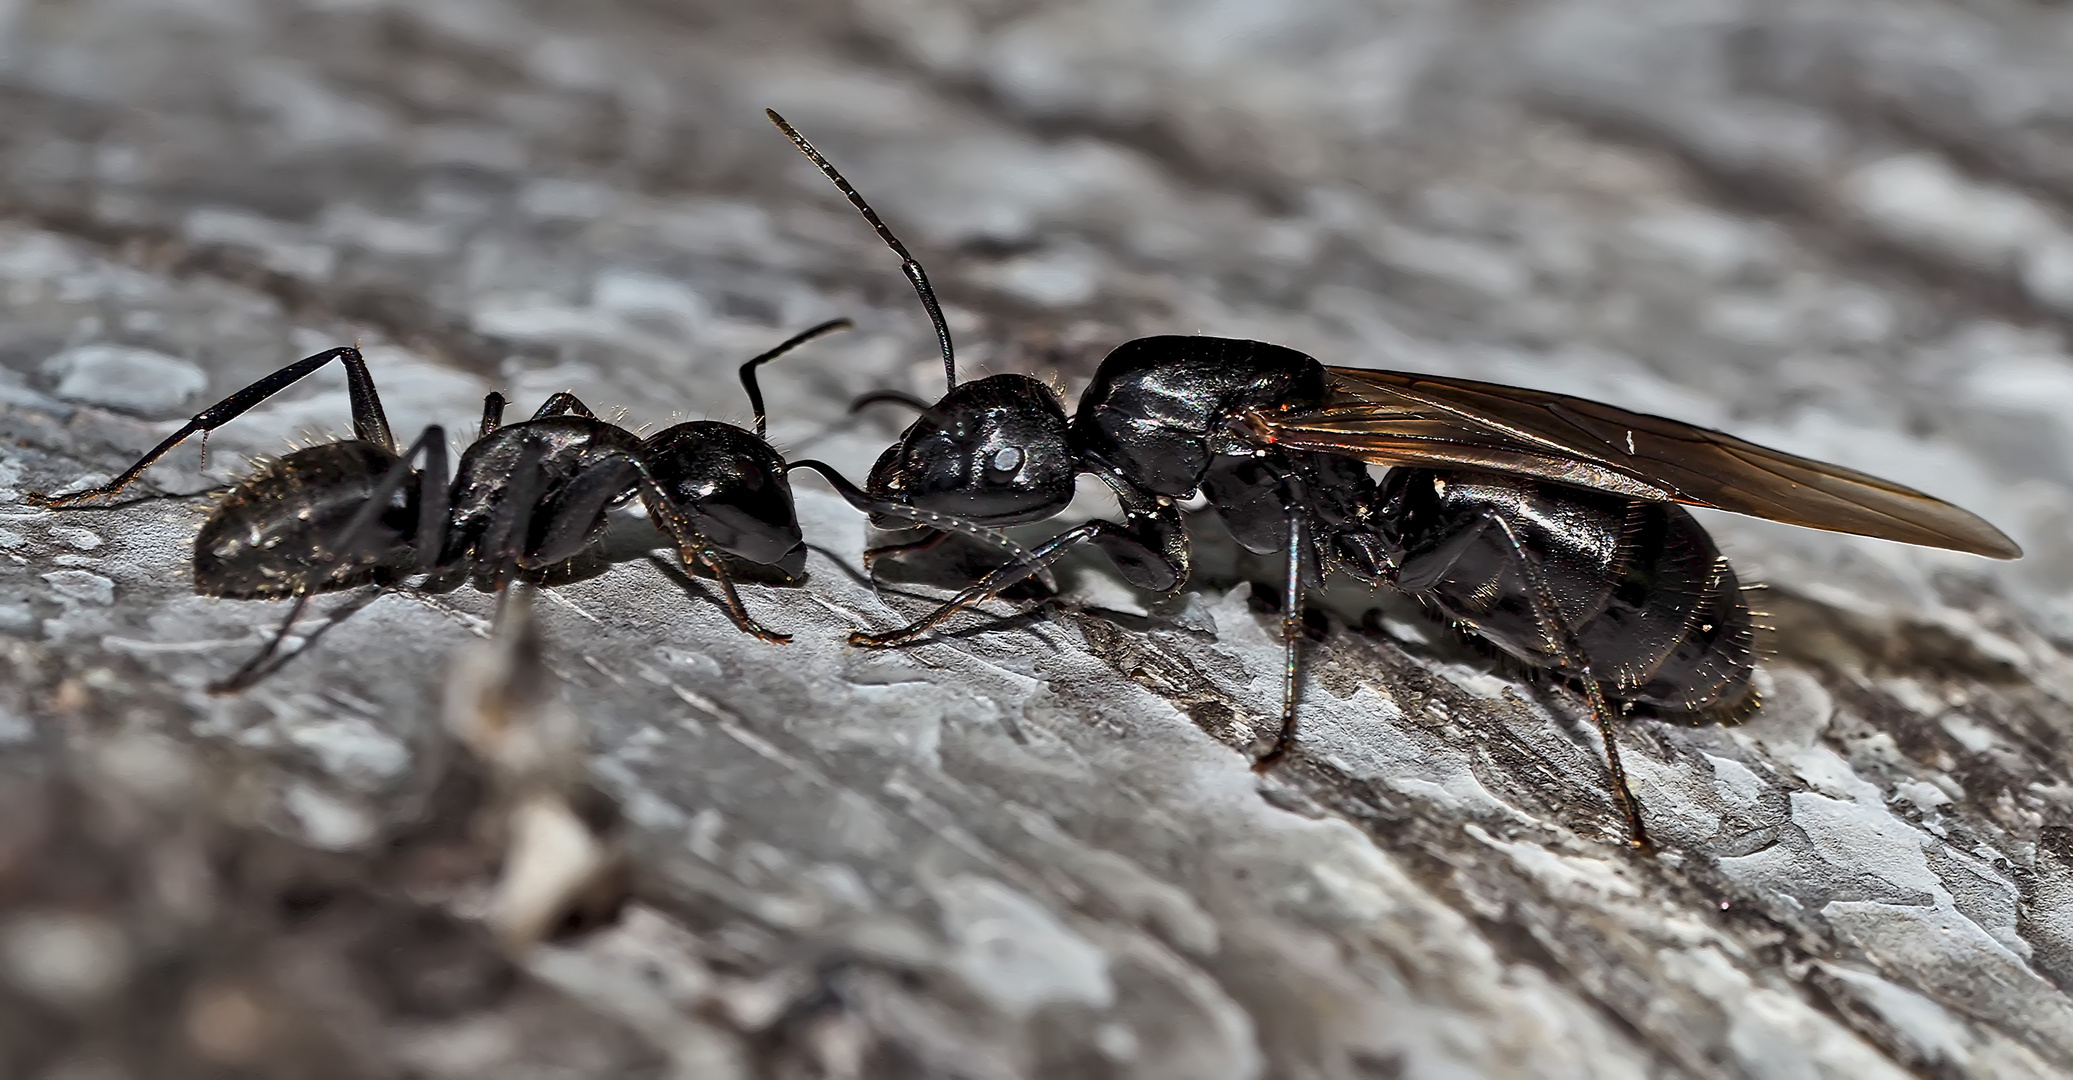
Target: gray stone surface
(1034, 848)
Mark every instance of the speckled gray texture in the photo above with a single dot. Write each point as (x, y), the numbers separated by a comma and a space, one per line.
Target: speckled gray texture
(1841, 228)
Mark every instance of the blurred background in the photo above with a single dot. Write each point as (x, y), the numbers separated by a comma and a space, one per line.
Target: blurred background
(1835, 227)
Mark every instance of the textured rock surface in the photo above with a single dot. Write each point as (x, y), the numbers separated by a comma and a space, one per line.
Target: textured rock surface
(1034, 848)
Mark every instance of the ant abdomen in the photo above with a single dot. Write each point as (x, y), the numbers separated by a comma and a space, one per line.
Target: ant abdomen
(1653, 609)
(269, 537)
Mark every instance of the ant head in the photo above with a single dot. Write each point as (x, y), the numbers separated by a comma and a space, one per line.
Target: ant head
(730, 487)
(992, 451)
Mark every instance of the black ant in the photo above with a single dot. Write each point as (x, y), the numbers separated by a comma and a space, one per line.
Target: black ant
(527, 496)
(1545, 525)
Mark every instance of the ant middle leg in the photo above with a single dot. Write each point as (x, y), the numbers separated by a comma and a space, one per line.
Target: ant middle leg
(370, 424)
(1291, 635)
(1244, 504)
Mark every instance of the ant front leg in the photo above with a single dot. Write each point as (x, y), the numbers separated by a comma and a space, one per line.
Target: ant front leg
(370, 424)
(927, 541)
(943, 524)
(502, 545)
(579, 508)
(1141, 549)
(693, 550)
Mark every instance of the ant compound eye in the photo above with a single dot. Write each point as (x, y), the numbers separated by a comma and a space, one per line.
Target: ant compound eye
(1007, 459)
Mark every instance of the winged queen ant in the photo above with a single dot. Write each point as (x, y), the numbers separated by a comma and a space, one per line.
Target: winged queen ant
(1547, 526)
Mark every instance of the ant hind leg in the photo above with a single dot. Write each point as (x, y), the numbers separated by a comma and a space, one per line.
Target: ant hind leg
(258, 667)
(432, 444)
(370, 424)
(1565, 646)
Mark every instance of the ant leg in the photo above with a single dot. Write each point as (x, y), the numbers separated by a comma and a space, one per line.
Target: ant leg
(573, 515)
(945, 523)
(731, 598)
(431, 444)
(986, 588)
(929, 539)
(492, 413)
(434, 501)
(1291, 634)
(1153, 553)
(1286, 487)
(693, 549)
(561, 404)
(1564, 645)
(1105, 534)
(251, 671)
(259, 666)
(369, 422)
(503, 543)
(748, 370)
(343, 547)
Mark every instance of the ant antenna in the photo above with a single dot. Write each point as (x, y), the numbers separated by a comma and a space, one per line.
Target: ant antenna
(748, 370)
(896, 397)
(908, 265)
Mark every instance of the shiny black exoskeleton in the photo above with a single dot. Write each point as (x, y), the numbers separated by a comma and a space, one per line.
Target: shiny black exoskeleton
(1640, 594)
(526, 496)
(1630, 599)
(1565, 579)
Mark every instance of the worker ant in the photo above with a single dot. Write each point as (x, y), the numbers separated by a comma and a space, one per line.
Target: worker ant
(1545, 525)
(527, 496)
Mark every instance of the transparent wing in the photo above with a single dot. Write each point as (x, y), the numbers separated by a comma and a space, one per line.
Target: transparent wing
(1394, 418)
